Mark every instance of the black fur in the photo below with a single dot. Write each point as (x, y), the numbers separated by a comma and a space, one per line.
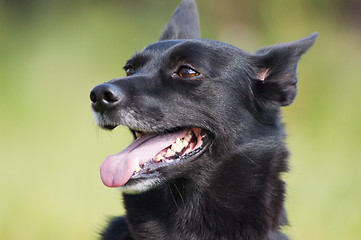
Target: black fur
(233, 190)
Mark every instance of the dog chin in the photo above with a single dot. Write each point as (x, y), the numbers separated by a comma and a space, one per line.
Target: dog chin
(140, 186)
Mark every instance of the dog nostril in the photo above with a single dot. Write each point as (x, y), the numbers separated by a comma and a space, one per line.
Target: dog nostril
(93, 97)
(110, 97)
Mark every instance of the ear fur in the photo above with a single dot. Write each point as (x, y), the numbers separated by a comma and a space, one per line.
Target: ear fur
(276, 70)
(184, 23)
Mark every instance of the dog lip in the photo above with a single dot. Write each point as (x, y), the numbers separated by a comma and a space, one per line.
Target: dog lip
(109, 127)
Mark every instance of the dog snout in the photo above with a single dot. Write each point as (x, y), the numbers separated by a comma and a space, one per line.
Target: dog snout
(105, 96)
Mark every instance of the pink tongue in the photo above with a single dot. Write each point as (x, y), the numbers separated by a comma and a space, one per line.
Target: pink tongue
(117, 169)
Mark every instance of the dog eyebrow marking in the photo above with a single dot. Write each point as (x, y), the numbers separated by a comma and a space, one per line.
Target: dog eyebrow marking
(187, 54)
(138, 60)
(263, 74)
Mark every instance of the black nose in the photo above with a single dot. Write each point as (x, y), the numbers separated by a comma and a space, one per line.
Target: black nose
(105, 96)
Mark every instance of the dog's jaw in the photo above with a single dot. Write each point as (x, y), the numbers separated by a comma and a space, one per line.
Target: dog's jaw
(141, 186)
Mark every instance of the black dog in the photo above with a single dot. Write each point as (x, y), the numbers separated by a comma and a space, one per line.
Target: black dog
(209, 143)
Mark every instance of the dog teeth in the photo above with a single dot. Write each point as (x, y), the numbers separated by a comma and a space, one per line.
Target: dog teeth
(185, 143)
(137, 167)
(188, 137)
(158, 158)
(177, 146)
(173, 147)
(169, 153)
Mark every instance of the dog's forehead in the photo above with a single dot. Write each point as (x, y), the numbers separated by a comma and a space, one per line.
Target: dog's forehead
(162, 45)
(183, 46)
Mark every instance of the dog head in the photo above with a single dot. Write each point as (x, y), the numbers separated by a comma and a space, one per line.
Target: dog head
(186, 99)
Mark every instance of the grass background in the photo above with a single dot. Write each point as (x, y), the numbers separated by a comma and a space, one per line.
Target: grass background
(53, 52)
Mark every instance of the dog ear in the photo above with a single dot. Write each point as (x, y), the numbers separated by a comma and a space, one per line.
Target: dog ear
(276, 66)
(184, 23)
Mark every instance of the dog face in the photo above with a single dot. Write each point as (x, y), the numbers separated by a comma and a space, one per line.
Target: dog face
(186, 99)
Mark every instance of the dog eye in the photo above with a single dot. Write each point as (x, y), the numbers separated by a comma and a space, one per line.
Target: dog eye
(187, 72)
(129, 71)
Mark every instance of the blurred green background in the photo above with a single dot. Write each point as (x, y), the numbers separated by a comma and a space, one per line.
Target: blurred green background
(53, 52)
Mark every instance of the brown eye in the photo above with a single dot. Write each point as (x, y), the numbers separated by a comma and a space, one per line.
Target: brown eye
(129, 71)
(187, 72)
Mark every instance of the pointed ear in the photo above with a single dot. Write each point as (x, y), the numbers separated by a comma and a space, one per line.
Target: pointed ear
(276, 70)
(184, 23)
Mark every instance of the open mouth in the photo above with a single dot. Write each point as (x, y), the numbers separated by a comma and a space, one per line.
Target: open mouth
(150, 152)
